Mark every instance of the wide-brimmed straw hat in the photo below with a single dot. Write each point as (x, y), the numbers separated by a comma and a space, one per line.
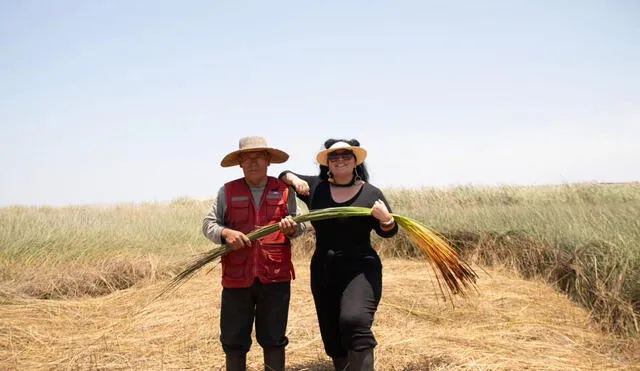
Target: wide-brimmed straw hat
(254, 144)
(359, 152)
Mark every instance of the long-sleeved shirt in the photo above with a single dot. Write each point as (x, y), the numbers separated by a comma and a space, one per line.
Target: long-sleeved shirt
(213, 223)
(344, 234)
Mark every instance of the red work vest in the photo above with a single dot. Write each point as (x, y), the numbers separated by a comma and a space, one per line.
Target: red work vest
(269, 257)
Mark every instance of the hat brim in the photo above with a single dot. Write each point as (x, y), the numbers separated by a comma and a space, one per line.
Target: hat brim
(359, 152)
(277, 156)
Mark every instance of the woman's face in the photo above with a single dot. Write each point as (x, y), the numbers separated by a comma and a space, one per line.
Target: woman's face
(341, 163)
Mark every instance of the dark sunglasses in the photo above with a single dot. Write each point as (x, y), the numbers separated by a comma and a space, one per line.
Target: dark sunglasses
(345, 156)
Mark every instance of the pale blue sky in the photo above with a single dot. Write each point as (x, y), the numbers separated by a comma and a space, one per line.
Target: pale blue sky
(127, 101)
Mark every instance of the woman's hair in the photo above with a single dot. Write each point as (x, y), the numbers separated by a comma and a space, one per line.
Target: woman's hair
(361, 169)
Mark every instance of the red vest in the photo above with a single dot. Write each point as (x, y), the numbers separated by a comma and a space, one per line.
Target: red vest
(269, 257)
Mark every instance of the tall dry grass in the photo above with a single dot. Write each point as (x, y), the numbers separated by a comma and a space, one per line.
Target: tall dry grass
(584, 239)
(88, 251)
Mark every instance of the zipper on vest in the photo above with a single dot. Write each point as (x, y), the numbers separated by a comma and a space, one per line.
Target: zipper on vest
(256, 249)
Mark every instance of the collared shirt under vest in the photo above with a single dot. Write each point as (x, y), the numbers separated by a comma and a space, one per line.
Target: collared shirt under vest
(269, 257)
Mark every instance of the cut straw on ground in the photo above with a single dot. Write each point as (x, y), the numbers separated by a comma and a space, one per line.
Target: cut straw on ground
(445, 261)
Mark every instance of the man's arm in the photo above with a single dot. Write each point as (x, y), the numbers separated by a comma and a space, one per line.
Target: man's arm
(294, 210)
(213, 223)
(214, 229)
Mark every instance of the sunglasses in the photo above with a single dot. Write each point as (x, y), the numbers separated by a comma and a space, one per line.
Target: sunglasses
(345, 156)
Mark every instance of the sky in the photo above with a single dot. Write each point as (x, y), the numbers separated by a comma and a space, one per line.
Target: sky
(107, 102)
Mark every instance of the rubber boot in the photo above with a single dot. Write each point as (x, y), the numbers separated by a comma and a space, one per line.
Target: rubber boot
(341, 363)
(273, 359)
(236, 362)
(361, 361)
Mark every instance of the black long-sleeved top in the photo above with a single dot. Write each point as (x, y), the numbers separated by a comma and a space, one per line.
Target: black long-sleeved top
(351, 235)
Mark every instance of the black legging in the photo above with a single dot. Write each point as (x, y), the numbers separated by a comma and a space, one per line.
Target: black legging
(346, 290)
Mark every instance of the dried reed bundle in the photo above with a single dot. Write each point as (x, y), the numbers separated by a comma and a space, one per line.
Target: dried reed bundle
(443, 259)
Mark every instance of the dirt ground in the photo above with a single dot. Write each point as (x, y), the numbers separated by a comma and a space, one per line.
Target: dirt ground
(510, 324)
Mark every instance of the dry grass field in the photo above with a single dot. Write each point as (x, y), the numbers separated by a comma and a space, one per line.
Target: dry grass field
(510, 324)
(559, 286)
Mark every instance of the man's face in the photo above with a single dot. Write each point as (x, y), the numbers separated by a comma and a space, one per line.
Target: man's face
(254, 166)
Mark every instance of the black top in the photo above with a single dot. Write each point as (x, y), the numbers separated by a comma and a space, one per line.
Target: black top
(347, 235)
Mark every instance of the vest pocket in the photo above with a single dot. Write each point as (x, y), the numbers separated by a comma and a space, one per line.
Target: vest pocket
(276, 208)
(277, 261)
(235, 263)
(273, 239)
(240, 209)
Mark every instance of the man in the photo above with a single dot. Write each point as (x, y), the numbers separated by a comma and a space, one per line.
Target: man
(256, 275)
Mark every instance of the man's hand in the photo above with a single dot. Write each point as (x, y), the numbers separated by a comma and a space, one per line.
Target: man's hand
(287, 225)
(235, 239)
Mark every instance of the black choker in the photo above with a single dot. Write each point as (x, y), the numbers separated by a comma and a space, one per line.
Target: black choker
(333, 182)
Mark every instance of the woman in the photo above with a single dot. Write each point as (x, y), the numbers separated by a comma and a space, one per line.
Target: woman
(346, 273)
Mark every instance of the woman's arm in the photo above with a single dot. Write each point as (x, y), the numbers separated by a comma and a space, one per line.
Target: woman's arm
(386, 226)
(300, 185)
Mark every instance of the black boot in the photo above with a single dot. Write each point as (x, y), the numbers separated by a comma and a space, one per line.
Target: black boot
(274, 359)
(341, 363)
(236, 362)
(361, 361)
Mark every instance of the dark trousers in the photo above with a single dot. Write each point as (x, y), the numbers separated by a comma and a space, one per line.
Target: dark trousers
(268, 303)
(346, 291)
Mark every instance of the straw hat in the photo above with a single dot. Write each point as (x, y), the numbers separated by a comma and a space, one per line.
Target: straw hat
(254, 144)
(359, 152)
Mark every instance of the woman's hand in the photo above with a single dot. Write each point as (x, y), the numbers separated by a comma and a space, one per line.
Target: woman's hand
(379, 211)
(301, 187)
(288, 226)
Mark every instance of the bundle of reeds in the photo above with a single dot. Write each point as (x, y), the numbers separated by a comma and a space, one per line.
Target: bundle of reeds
(443, 259)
